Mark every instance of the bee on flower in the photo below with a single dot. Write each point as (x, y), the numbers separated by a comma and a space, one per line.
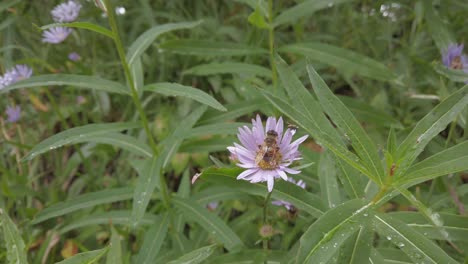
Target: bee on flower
(266, 152)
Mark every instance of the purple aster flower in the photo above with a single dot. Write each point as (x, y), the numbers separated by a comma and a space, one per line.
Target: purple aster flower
(13, 113)
(56, 35)
(66, 12)
(8, 78)
(288, 205)
(212, 206)
(454, 58)
(74, 56)
(266, 153)
(22, 72)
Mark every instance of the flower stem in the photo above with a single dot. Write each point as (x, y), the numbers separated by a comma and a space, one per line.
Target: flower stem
(129, 77)
(271, 41)
(265, 211)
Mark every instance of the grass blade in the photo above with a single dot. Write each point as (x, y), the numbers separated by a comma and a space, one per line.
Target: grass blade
(328, 182)
(84, 25)
(210, 48)
(175, 89)
(84, 201)
(208, 221)
(16, 250)
(114, 256)
(139, 46)
(81, 81)
(229, 67)
(196, 256)
(76, 135)
(85, 257)
(153, 240)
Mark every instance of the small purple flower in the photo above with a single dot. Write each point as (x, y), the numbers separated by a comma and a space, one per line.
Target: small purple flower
(66, 12)
(13, 113)
(454, 58)
(55, 35)
(8, 78)
(288, 205)
(74, 56)
(266, 153)
(22, 72)
(212, 206)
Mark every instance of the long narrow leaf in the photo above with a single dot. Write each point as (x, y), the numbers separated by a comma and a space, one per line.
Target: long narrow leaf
(76, 135)
(16, 250)
(429, 127)
(114, 256)
(175, 89)
(196, 256)
(89, 257)
(415, 245)
(144, 40)
(348, 124)
(210, 48)
(328, 182)
(84, 25)
(208, 221)
(84, 201)
(229, 67)
(153, 240)
(81, 81)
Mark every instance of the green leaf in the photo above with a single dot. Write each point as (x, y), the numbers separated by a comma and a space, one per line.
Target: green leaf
(114, 256)
(217, 194)
(120, 217)
(84, 25)
(440, 33)
(429, 127)
(171, 143)
(328, 182)
(206, 145)
(144, 40)
(210, 48)
(348, 124)
(344, 60)
(415, 245)
(83, 81)
(316, 131)
(325, 236)
(229, 67)
(153, 240)
(76, 135)
(234, 111)
(208, 221)
(283, 190)
(456, 226)
(451, 160)
(257, 19)
(352, 180)
(85, 257)
(216, 129)
(147, 181)
(250, 256)
(303, 9)
(196, 256)
(84, 201)
(454, 75)
(126, 142)
(175, 89)
(368, 114)
(357, 248)
(184, 192)
(16, 250)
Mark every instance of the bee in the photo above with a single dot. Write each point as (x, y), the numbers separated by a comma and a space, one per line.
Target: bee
(456, 63)
(268, 155)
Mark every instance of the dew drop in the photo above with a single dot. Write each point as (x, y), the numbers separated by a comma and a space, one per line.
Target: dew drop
(389, 238)
(365, 214)
(400, 245)
(335, 245)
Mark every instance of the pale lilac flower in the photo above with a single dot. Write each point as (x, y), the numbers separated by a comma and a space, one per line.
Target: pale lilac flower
(56, 35)
(74, 56)
(13, 113)
(454, 58)
(266, 153)
(288, 205)
(21, 72)
(8, 78)
(66, 12)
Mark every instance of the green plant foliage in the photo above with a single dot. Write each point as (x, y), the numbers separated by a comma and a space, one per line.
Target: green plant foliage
(246, 131)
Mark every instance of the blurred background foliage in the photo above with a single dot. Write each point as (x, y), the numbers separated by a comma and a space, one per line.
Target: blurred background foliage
(397, 35)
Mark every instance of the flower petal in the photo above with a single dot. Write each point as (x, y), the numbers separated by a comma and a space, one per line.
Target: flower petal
(246, 173)
(270, 183)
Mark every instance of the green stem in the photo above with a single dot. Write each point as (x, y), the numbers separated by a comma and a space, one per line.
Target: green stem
(129, 77)
(136, 99)
(265, 211)
(272, 46)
